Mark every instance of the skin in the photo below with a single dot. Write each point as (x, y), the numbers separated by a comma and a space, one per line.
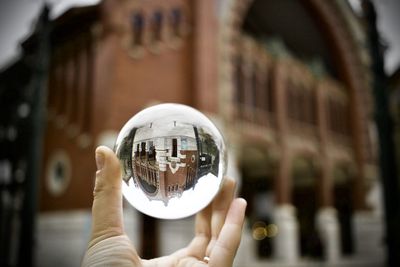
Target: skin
(218, 227)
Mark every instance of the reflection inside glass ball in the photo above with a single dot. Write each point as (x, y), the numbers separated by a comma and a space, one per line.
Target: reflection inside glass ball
(173, 161)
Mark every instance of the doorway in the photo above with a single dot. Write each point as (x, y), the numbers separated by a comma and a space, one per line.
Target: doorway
(258, 172)
(344, 205)
(304, 197)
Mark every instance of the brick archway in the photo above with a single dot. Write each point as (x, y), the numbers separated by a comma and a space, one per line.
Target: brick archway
(336, 29)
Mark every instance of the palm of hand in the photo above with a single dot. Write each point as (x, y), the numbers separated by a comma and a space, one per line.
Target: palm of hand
(217, 228)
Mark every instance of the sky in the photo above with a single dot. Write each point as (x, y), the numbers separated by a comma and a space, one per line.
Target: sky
(388, 25)
(18, 16)
(388, 20)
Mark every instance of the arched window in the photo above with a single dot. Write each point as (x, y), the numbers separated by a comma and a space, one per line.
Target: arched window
(239, 80)
(270, 90)
(137, 27)
(338, 117)
(176, 22)
(156, 27)
(312, 109)
(253, 103)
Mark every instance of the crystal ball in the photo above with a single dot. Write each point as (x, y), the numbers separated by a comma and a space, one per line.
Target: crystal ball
(173, 161)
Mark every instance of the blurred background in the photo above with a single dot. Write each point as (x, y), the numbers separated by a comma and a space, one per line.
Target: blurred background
(306, 92)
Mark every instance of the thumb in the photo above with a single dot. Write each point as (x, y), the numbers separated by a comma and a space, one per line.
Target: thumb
(107, 202)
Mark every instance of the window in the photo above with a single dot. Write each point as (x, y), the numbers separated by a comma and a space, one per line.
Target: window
(156, 27)
(239, 80)
(82, 84)
(174, 147)
(312, 108)
(262, 97)
(75, 86)
(292, 101)
(176, 22)
(254, 88)
(70, 86)
(270, 91)
(137, 25)
(143, 149)
(301, 103)
(338, 117)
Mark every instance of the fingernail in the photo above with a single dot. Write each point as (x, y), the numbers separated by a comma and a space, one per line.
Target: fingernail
(99, 161)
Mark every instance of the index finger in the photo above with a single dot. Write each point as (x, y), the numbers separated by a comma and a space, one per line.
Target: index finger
(224, 250)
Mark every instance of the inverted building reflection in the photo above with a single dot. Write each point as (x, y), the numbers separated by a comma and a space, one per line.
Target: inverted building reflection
(164, 160)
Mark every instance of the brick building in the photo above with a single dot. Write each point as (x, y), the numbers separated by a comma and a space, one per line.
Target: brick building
(81, 105)
(286, 81)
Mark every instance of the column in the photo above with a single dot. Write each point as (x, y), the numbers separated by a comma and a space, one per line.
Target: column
(326, 219)
(328, 227)
(325, 186)
(282, 187)
(286, 245)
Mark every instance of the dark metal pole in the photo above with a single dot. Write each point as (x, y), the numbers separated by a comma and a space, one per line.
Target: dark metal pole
(39, 65)
(386, 144)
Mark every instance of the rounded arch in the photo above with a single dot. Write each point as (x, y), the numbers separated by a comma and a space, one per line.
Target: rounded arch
(338, 32)
(258, 158)
(305, 169)
(343, 171)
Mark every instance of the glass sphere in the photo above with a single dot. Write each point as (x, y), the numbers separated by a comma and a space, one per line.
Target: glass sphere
(173, 161)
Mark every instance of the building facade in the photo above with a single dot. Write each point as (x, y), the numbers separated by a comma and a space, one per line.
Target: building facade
(298, 82)
(286, 81)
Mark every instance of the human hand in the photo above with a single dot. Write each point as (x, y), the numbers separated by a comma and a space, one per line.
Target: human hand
(218, 227)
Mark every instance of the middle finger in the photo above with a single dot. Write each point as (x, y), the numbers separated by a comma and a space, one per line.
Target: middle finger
(220, 207)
